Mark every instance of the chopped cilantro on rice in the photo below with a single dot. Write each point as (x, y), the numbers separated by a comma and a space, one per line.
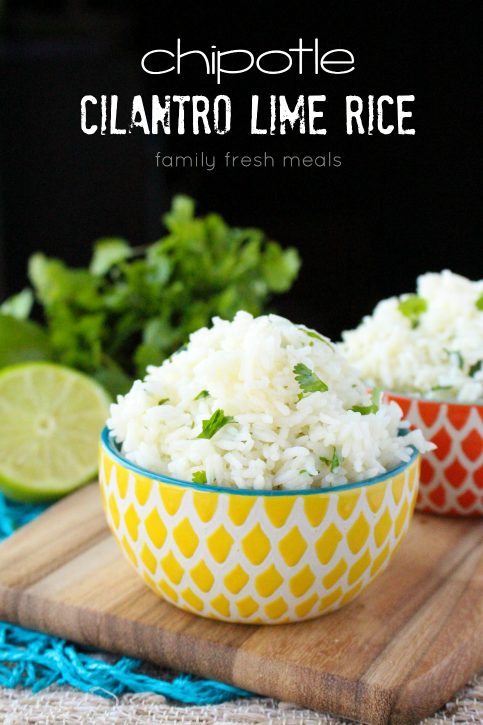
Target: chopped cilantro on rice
(280, 412)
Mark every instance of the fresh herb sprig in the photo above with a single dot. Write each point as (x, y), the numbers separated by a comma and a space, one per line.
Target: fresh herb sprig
(456, 354)
(333, 462)
(412, 308)
(309, 382)
(217, 421)
(316, 336)
(203, 394)
(475, 368)
(366, 409)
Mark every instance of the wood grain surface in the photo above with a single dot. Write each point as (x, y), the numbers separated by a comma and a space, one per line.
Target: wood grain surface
(394, 655)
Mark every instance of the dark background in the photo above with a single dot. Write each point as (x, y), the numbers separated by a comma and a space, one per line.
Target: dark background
(397, 207)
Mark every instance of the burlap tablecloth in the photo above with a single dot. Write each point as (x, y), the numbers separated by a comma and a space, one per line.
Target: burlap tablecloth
(65, 706)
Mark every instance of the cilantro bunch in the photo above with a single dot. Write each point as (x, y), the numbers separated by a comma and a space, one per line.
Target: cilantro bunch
(135, 306)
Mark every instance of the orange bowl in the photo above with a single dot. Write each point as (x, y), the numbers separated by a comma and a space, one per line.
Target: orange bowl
(452, 474)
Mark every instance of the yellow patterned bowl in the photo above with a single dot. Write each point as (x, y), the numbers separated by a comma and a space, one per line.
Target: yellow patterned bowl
(255, 556)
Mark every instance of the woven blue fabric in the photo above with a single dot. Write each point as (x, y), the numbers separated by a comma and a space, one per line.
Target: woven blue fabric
(38, 660)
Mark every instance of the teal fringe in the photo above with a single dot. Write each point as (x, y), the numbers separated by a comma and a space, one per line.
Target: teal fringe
(36, 660)
(13, 515)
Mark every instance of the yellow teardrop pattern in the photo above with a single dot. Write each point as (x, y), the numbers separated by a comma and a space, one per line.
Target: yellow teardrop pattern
(186, 538)
(205, 504)
(142, 489)
(256, 545)
(315, 508)
(171, 496)
(122, 480)
(278, 509)
(239, 507)
(219, 544)
(292, 547)
(268, 581)
(326, 546)
(347, 503)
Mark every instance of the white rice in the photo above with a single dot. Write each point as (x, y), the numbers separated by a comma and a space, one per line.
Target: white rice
(438, 359)
(274, 441)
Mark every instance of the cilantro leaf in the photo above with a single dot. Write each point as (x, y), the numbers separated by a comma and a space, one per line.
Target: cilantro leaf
(364, 409)
(214, 424)
(376, 398)
(315, 335)
(335, 462)
(107, 254)
(412, 308)
(199, 477)
(147, 355)
(163, 401)
(475, 368)
(159, 334)
(203, 394)
(367, 409)
(458, 355)
(308, 380)
(113, 378)
(19, 305)
(479, 303)
(280, 267)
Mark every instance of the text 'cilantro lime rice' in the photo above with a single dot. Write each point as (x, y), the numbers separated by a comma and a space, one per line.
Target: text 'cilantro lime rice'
(428, 344)
(261, 404)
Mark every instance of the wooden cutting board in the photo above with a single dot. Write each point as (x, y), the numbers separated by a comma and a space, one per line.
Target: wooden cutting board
(394, 655)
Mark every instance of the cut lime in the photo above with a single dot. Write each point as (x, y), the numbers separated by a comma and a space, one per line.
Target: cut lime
(51, 418)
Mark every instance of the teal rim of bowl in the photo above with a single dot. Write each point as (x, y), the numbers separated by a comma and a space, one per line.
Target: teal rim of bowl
(112, 450)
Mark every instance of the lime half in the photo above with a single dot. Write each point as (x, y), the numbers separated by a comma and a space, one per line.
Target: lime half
(51, 418)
